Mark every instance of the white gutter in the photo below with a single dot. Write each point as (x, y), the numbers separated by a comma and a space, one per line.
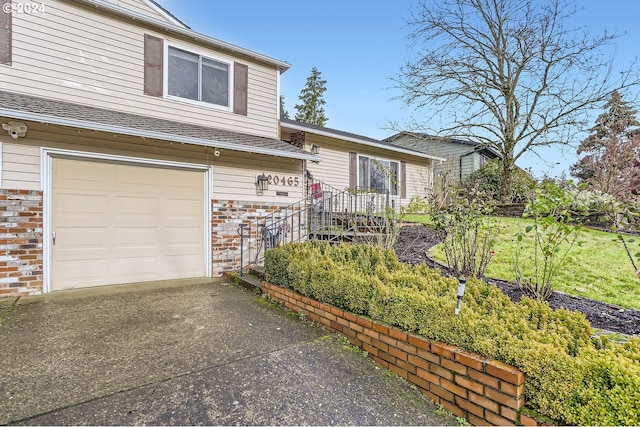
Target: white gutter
(136, 16)
(330, 134)
(82, 124)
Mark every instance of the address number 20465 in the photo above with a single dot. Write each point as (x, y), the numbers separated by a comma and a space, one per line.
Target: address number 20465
(291, 181)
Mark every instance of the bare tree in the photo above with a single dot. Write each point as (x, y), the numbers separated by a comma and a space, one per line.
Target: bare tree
(507, 74)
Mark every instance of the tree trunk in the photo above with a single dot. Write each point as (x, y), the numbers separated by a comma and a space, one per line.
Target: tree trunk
(506, 180)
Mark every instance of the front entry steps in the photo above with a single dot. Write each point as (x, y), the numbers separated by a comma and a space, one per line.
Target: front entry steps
(251, 280)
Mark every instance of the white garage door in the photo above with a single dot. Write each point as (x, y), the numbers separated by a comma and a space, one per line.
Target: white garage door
(121, 223)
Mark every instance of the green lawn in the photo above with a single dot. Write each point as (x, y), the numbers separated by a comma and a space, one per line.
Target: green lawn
(597, 268)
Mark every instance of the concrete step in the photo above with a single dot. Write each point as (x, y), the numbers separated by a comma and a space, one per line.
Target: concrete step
(247, 280)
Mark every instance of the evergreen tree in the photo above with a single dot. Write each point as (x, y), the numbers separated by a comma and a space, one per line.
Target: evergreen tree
(612, 151)
(284, 114)
(310, 109)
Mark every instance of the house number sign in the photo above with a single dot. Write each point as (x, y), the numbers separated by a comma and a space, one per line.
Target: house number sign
(283, 180)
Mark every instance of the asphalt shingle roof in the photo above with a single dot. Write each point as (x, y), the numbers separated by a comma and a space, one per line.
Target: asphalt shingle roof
(128, 123)
(385, 143)
(422, 141)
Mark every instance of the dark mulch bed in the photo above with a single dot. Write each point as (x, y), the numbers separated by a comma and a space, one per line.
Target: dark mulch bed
(415, 241)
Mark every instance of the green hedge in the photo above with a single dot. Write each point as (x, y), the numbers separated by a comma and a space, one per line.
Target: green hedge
(571, 377)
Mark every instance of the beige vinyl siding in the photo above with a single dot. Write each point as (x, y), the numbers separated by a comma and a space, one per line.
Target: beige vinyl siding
(141, 6)
(20, 165)
(419, 179)
(77, 54)
(334, 168)
(234, 172)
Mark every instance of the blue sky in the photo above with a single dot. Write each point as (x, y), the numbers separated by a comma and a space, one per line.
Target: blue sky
(358, 46)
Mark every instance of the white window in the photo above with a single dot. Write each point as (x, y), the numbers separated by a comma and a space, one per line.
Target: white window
(378, 174)
(196, 77)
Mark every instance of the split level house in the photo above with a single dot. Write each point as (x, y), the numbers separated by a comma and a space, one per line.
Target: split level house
(461, 157)
(133, 148)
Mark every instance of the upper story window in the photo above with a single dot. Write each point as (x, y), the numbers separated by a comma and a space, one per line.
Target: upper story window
(378, 174)
(178, 73)
(197, 77)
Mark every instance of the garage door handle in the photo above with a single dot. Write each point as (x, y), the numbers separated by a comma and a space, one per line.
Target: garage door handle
(54, 238)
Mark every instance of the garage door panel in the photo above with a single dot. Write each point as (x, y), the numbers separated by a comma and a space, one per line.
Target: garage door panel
(136, 206)
(175, 263)
(180, 236)
(179, 250)
(179, 180)
(79, 238)
(136, 237)
(137, 178)
(85, 177)
(176, 206)
(75, 220)
(138, 267)
(134, 223)
(93, 273)
(78, 204)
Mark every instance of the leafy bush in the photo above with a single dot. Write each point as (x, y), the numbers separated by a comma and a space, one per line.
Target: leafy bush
(571, 377)
(554, 232)
(487, 180)
(467, 232)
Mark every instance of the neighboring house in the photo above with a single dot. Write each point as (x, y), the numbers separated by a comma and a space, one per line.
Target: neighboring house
(131, 147)
(462, 158)
(355, 161)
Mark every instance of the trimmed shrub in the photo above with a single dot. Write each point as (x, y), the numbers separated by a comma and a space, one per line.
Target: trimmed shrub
(571, 377)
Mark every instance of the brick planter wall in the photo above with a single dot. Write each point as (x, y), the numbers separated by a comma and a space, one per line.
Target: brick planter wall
(484, 391)
(20, 242)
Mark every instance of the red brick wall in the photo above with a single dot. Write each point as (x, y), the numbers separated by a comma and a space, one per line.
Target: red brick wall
(484, 391)
(226, 217)
(20, 242)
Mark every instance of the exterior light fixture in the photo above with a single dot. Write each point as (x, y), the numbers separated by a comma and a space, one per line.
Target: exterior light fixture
(461, 284)
(315, 149)
(262, 182)
(15, 129)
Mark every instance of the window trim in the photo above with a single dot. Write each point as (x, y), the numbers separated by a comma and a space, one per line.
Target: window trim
(381, 159)
(201, 54)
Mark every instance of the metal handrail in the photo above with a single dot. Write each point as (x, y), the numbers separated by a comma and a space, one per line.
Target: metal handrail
(326, 213)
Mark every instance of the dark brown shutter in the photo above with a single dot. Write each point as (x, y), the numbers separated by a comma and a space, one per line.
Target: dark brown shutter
(403, 180)
(153, 53)
(353, 170)
(5, 34)
(240, 86)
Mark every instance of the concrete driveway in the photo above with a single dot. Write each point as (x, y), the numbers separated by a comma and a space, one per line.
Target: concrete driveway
(187, 352)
